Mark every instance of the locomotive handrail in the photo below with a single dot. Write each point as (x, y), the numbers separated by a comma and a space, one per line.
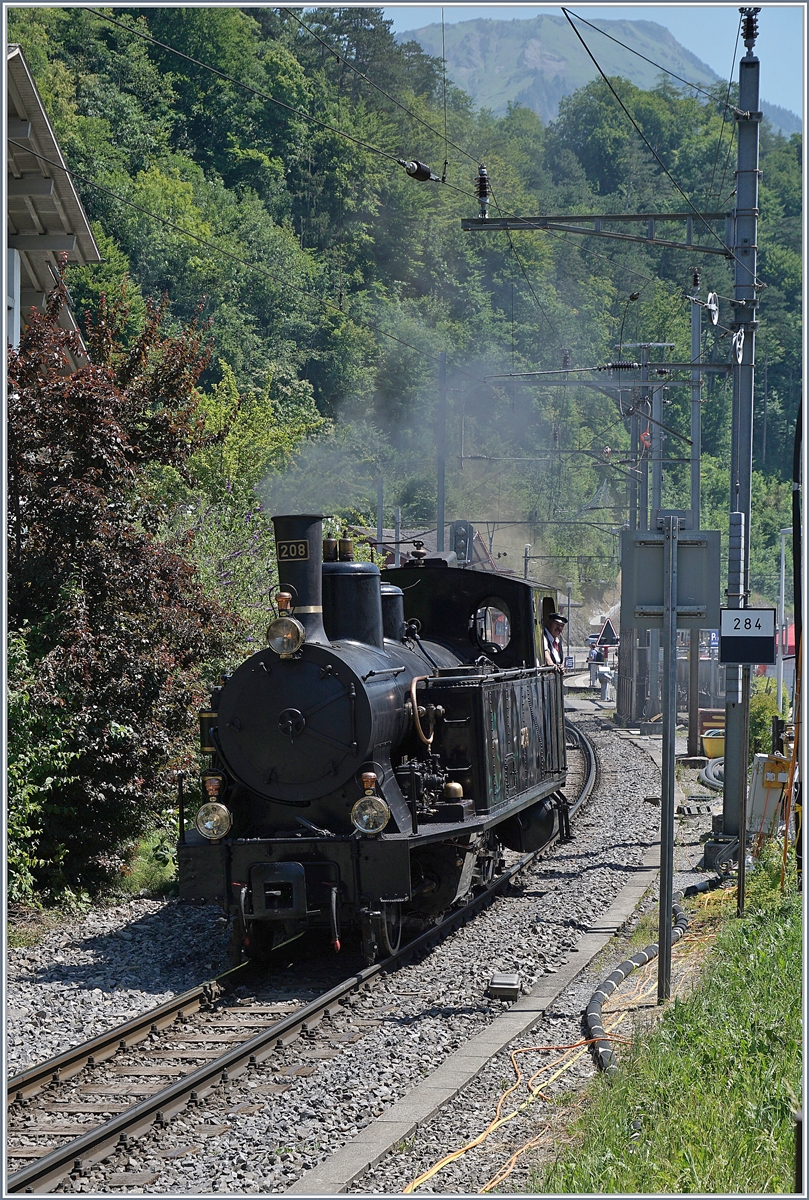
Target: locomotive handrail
(417, 679)
(385, 671)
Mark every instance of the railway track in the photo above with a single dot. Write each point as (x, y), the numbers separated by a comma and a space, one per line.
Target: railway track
(182, 1059)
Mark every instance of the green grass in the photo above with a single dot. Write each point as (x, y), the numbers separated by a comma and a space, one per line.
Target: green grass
(712, 1088)
(153, 868)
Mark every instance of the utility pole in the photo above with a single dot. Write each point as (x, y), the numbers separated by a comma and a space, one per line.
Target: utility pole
(569, 590)
(782, 638)
(745, 301)
(442, 443)
(657, 494)
(696, 453)
(656, 455)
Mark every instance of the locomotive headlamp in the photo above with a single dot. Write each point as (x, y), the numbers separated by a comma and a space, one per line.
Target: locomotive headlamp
(285, 636)
(213, 821)
(370, 814)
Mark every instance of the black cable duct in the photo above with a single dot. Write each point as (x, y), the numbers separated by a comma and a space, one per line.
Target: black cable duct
(602, 1048)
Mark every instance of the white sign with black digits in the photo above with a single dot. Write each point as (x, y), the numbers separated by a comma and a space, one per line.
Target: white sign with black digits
(747, 635)
(747, 622)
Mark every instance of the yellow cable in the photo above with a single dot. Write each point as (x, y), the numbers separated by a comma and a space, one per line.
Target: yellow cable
(637, 994)
(508, 1167)
(499, 1121)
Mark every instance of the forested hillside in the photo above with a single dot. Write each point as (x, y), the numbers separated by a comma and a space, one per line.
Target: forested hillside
(535, 61)
(247, 169)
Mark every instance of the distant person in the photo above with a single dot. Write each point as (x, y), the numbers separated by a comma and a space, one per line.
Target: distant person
(552, 634)
(592, 662)
(605, 678)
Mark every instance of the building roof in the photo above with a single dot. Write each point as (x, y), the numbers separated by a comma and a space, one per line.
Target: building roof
(45, 215)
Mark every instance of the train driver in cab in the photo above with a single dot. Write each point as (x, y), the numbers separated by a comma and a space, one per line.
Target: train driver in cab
(552, 634)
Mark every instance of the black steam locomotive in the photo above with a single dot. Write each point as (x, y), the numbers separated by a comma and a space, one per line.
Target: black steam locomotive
(369, 764)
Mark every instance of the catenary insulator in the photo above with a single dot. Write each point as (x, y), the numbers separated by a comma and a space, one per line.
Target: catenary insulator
(565, 360)
(620, 366)
(482, 187)
(418, 170)
(695, 279)
(749, 26)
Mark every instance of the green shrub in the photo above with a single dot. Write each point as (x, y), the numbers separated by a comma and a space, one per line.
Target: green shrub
(38, 759)
(763, 707)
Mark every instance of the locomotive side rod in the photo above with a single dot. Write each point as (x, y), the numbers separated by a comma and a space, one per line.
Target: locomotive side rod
(101, 1141)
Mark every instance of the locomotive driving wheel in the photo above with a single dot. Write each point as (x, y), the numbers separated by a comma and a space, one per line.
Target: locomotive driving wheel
(388, 927)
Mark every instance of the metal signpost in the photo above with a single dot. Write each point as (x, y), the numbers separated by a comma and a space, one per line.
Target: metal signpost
(670, 579)
(671, 530)
(746, 637)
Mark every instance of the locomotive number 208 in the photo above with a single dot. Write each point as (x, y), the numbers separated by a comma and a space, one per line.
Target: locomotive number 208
(293, 550)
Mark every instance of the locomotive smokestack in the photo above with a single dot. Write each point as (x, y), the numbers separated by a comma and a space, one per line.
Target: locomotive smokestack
(299, 550)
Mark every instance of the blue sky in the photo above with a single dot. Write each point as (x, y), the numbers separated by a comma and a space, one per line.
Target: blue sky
(708, 30)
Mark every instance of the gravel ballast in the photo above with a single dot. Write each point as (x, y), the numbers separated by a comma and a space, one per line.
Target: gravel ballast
(410, 1023)
(85, 978)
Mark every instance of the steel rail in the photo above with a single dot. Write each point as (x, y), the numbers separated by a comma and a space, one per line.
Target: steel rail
(100, 1141)
(64, 1066)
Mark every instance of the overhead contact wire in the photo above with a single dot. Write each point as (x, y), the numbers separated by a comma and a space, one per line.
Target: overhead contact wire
(341, 58)
(256, 267)
(646, 141)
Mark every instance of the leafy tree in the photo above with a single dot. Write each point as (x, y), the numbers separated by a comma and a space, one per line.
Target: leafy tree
(114, 623)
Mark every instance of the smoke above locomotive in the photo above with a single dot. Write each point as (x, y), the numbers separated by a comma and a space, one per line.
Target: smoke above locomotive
(369, 764)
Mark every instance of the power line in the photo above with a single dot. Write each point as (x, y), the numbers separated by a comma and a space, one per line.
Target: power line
(245, 86)
(665, 70)
(646, 141)
(341, 58)
(722, 130)
(255, 267)
(298, 112)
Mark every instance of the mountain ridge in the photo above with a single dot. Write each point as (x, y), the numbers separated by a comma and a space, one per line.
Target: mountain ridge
(537, 61)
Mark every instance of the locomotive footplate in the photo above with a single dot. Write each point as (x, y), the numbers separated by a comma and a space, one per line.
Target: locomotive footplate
(294, 878)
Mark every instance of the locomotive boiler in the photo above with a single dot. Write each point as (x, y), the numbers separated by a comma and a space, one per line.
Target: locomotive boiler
(368, 765)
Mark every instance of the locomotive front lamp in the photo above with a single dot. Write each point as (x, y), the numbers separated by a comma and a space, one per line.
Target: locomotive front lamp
(285, 636)
(213, 821)
(370, 814)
